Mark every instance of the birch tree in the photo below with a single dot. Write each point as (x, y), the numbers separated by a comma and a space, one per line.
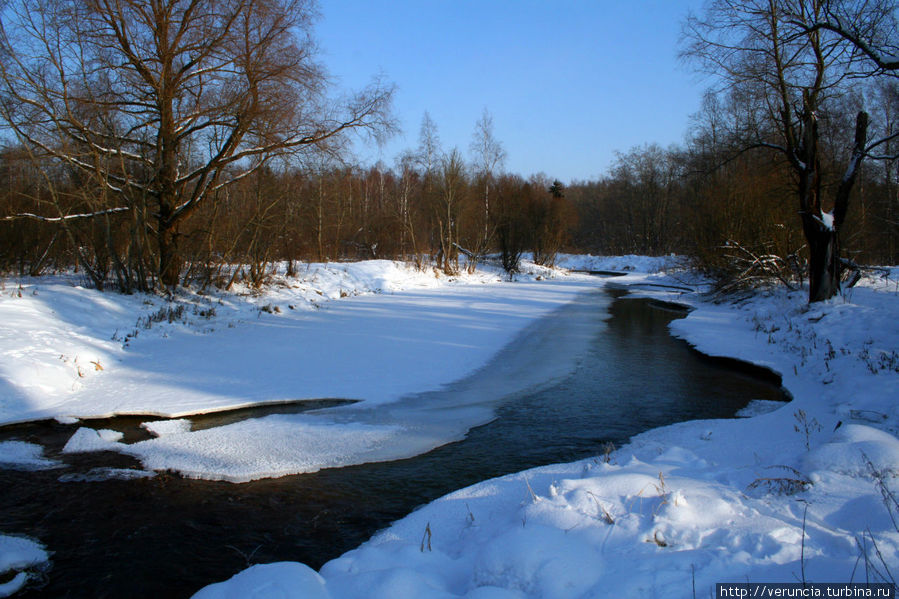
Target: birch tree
(488, 155)
(448, 205)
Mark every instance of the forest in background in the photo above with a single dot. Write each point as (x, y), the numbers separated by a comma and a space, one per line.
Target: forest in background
(99, 190)
(696, 199)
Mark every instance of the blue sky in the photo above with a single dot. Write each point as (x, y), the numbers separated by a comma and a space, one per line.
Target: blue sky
(568, 82)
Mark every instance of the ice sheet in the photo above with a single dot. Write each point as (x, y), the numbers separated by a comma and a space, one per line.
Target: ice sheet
(279, 445)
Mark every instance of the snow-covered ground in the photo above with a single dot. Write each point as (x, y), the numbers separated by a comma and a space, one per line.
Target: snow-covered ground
(804, 492)
(68, 351)
(404, 343)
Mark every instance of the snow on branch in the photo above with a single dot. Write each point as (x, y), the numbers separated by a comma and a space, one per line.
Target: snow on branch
(749, 268)
(56, 219)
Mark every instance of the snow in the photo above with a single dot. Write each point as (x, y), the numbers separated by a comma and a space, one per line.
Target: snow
(284, 580)
(161, 428)
(19, 555)
(805, 490)
(826, 220)
(851, 449)
(261, 448)
(279, 445)
(73, 352)
(333, 331)
(20, 455)
(622, 264)
(777, 495)
(88, 439)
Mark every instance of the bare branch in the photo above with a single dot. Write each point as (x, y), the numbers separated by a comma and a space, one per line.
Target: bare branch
(56, 219)
(169, 101)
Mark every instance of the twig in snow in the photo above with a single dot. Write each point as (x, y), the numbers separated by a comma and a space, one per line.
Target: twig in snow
(606, 516)
(530, 490)
(426, 538)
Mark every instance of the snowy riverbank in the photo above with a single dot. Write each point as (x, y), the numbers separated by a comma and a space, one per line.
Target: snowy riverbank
(394, 338)
(804, 492)
(780, 496)
(69, 351)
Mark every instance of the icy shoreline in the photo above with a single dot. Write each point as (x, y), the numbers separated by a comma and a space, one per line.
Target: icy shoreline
(402, 358)
(804, 492)
(801, 492)
(331, 332)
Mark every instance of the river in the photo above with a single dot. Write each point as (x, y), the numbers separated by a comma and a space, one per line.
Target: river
(169, 536)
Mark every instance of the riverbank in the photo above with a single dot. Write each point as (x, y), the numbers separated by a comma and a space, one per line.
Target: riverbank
(691, 504)
(806, 492)
(371, 332)
(330, 331)
(381, 336)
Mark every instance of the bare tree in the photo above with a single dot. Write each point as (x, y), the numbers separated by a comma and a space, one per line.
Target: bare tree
(429, 154)
(548, 217)
(163, 103)
(406, 207)
(448, 205)
(488, 157)
(510, 218)
(887, 99)
(790, 71)
(428, 157)
(870, 26)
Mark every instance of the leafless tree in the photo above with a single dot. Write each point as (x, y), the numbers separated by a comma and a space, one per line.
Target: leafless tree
(408, 180)
(452, 185)
(790, 70)
(870, 26)
(429, 154)
(488, 157)
(162, 103)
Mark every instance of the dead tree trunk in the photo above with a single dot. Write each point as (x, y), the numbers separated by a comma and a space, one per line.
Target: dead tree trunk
(824, 259)
(822, 229)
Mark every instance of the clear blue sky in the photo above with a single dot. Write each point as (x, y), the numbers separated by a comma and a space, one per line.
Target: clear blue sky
(568, 82)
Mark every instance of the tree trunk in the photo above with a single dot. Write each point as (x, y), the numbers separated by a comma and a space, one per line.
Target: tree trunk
(822, 230)
(824, 237)
(824, 259)
(169, 257)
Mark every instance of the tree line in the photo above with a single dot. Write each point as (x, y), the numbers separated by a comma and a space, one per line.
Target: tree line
(712, 199)
(434, 207)
(195, 141)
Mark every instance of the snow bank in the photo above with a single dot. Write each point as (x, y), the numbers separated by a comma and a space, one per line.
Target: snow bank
(855, 450)
(330, 331)
(54, 339)
(161, 428)
(88, 439)
(806, 491)
(622, 264)
(379, 331)
(261, 448)
(284, 580)
(280, 445)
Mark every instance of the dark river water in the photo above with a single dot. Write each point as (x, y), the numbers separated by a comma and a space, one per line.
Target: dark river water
(167, 536)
